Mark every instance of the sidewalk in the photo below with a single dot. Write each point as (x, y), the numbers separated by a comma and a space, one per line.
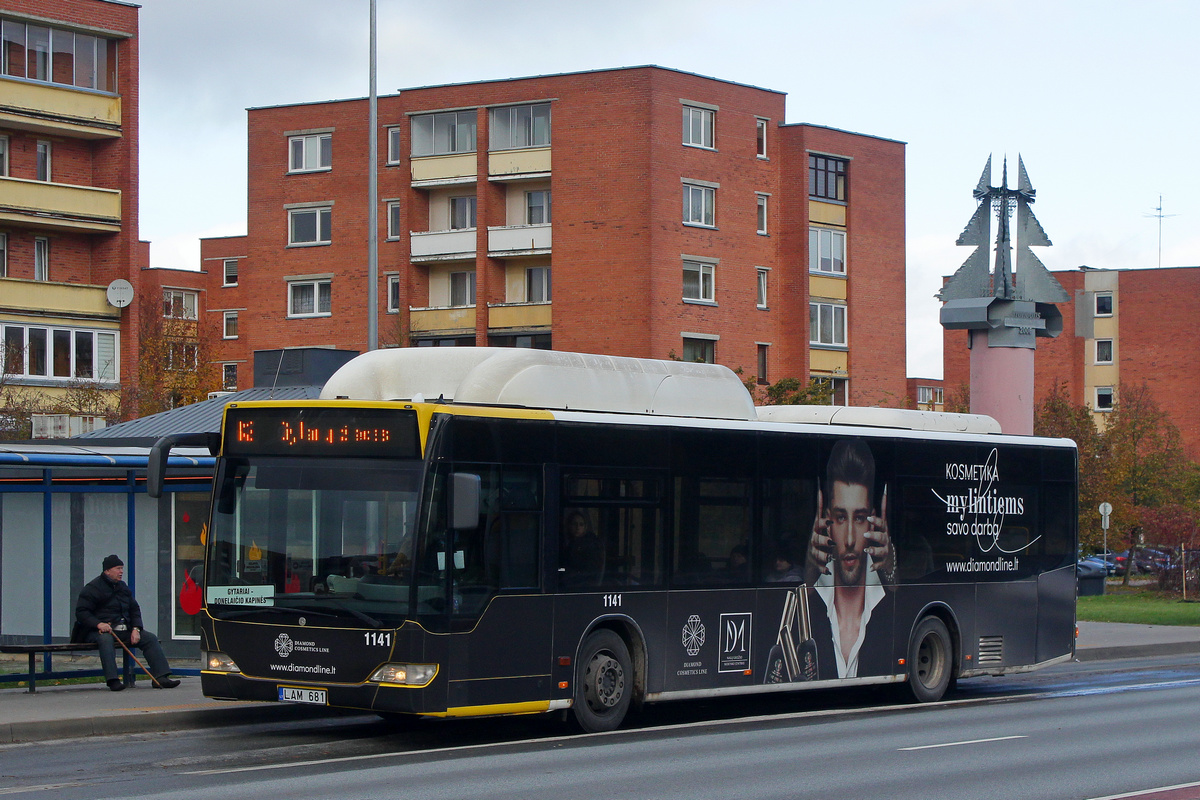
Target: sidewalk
(60, 712)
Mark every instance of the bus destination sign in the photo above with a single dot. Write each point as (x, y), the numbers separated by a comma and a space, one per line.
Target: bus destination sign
(322, 431)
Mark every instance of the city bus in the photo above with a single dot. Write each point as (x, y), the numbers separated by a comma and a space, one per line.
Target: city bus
(460, 532)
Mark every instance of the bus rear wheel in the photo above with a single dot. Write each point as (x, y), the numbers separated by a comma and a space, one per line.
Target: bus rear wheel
(603, 682)
(929, 655)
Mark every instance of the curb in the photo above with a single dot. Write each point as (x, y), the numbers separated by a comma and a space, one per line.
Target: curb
(1147, 650)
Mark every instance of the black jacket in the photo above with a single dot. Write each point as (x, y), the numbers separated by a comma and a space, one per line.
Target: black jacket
(103, 600)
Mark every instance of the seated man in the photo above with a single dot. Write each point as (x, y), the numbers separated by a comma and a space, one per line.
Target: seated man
(106, 609)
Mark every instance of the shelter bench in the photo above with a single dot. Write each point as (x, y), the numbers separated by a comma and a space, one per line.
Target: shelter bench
(65, 647)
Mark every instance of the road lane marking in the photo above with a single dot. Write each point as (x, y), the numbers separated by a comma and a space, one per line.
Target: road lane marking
(44, 787)
(1150, 792)
(958, 744)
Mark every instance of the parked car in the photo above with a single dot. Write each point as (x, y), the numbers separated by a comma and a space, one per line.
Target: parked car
(1099, 561)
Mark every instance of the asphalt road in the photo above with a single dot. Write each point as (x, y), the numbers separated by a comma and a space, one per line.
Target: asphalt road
(1083, 730)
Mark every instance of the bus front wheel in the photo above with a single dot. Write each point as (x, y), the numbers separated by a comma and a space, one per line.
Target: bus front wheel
(603, 682)
(929, 655)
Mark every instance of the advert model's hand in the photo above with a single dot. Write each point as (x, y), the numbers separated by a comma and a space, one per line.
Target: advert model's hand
(820, 544)
(879, 544)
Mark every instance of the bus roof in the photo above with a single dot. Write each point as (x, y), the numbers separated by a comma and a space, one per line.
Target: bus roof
(549, 379)
(870, 417)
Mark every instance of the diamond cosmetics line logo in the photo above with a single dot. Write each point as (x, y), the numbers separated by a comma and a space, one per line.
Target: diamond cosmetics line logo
(693, 635)
(283, 645)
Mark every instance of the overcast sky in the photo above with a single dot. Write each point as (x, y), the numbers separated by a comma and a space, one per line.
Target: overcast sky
(1097, 96)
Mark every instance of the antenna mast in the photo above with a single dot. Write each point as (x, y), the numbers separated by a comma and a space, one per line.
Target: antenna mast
(1159, 215)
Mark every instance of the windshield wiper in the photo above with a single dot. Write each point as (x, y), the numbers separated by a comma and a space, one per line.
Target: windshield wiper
(269, 609)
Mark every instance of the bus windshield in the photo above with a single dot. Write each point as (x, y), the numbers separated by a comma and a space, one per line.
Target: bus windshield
(329, 537)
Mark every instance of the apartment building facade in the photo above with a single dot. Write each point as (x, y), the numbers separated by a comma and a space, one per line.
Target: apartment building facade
(1120, 327)
(637, 211)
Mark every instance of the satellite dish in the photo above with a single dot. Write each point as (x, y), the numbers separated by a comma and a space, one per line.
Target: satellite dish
(120, 293)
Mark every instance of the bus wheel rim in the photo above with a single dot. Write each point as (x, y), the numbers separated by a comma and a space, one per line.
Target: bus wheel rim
(606, 682)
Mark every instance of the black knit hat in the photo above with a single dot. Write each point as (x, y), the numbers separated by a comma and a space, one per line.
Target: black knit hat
(112, 561)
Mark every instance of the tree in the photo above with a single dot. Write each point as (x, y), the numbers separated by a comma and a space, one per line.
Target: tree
(1056, 416)
(175, 366)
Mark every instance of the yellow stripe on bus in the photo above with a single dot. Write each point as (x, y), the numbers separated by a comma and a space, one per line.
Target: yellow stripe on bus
(536, 707)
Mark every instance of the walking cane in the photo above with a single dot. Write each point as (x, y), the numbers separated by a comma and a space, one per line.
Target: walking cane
(135, 658)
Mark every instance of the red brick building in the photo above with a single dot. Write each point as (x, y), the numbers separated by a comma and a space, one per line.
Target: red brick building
(69, 194)
(575, 212)
(1118, 328)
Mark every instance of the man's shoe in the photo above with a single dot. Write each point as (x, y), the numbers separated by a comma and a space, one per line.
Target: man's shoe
(116, 685)
(165, 683)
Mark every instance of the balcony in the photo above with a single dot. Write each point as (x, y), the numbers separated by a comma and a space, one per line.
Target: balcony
(48, 299)
(519, 164)
(456, 245)
(519, 316)
(60, 206)
(60, 110)
(519, 240)
(448, 321)
(438, 170)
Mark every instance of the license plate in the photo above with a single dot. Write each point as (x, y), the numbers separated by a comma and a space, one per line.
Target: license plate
(294, 694)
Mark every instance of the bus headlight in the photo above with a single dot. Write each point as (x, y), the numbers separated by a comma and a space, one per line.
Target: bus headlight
(405, 674)
(215, 661)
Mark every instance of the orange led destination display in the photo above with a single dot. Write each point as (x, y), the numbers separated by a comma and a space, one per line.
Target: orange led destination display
(322, 431)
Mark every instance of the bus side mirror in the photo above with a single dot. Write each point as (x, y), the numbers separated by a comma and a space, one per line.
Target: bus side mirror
(160, 453)
(464, 500)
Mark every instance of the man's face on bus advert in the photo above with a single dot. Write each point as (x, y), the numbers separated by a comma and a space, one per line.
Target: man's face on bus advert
(849, 510)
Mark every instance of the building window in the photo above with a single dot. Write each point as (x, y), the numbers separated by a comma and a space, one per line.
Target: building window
(838, 389)
(698, 282)
(827, 177)
(393, 294)
(537, 285)
(182, 356)
(43, 161)
(1104, 398)
(929, 396)
(179, 304)
(308, 226)
(41, 258)
(3, 156)
(762, 365)
(762, 215)
(443, 134)
(762, 286)
(310, 153)
(827, 324)
(393, 145)
(700, 351)
(698, 127)
(1104, 304)
(65, 353)
(231, 325)
(515, 127)
(462, 289)
(57, 55)
(537, 207)
(393, 220)
(462, 213)
(827, 251)
(230, 266)
(699, 205)
(229, 377)
(761, 137)
(310, 298)
(1104, 351)
(3, 255)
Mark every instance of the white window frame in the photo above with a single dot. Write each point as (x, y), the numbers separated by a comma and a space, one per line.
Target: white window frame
(1111, 351)
(225, 272)
(761, 203)
(699, 127)
(705, 281)
(229, 319)
(109, 372)
(821, 250)
(537, 284)
(459, 126)
(393, 220)
(393, 294)
(186, 302)
(511, 128)
(831, 317)
(315, 285)
(761, 277)
(45, 161)
(393, 145)
(188, 352)
(699, 205)
(3, 255)
(466, 279)
(760, 137)
(226, 385)
(472, 203)
(312, 152)
(1104, 391)
(4, 156)
(322, 222)
(41, 258)
(1111, 304)
(532, 204)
